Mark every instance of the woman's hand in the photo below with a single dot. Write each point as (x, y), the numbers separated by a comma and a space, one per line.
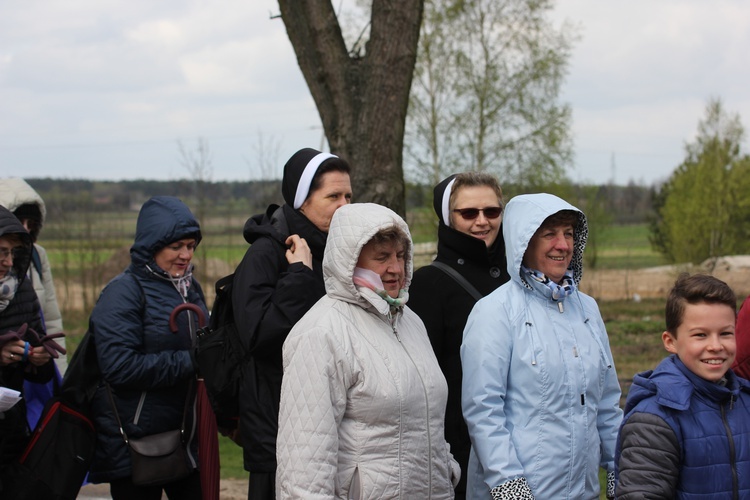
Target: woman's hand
(39, 356)
(298, 251)
(12, 352)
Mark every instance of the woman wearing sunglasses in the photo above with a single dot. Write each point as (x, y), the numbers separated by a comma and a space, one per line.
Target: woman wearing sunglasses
(469, 207)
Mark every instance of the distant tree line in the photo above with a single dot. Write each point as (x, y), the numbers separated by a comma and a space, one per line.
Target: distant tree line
(630, 204)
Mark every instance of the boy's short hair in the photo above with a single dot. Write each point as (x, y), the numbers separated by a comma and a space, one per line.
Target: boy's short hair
(695, 289)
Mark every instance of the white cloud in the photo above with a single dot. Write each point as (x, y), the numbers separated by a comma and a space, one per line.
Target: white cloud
(105, 88)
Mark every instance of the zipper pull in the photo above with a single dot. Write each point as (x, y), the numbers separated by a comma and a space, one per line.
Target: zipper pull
(560, 307)
(395, 332)
(575, 352)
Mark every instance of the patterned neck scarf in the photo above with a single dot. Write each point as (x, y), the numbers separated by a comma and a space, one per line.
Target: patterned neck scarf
(8, 287)
(181, 283)
(368, 279)
(558, 291)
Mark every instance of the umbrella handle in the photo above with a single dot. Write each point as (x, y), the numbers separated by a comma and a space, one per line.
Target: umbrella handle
(186, 307)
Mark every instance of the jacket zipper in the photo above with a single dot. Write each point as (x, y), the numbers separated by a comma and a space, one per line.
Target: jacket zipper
(732, 452)
(427, 405)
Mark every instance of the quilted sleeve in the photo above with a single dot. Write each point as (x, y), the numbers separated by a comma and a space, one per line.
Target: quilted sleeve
(313, 400)
(649, 462)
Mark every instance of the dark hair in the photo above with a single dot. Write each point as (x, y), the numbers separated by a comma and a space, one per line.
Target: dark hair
(472, 179)
(32, 214)
(329, 165)
(695, 289)
(562, 218)
(393, 234)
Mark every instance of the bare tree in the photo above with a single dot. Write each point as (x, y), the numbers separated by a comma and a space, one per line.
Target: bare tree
(488, 77)
(429, 128)
(266, 165)
(362, 95)
(199, 165)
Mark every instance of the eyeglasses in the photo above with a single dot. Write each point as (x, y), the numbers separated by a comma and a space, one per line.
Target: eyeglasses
(6, 252)
(473, 213)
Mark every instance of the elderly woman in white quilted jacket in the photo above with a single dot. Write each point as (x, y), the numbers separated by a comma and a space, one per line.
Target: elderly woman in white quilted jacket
(362, 397)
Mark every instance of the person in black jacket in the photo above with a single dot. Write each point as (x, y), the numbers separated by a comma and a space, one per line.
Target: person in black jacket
(278, 280)
(19, 360)
(148, 367)
(469, 207)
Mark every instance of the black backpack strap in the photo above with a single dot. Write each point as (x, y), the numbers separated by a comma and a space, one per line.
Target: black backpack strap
(37, 260)
(459, 279)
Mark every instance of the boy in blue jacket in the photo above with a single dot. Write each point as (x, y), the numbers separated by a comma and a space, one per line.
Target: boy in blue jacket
(686, 430)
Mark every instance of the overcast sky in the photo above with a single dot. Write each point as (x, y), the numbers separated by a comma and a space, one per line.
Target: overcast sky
(106, 89)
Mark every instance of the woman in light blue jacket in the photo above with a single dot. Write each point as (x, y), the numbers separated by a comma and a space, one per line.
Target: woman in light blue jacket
(540, 394)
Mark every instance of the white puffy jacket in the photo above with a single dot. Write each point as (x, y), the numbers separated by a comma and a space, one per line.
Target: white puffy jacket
(362, 397)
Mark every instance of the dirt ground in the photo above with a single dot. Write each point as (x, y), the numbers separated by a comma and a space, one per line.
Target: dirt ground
(229, 489)
(655, 282)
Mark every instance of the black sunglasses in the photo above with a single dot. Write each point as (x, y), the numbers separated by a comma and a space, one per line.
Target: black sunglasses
(473, 213)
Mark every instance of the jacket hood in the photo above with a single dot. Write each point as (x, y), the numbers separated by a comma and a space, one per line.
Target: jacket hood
(352, 226)
(524, 214)
(161, 221)
(278, 223)
(15, 192)
(9, 224)
(673, 385)
(271, 223)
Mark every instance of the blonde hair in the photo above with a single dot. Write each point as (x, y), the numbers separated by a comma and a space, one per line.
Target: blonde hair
(475, 179)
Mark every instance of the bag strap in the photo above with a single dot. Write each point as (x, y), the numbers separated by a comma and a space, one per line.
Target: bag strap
(117, 414)
(458, 278)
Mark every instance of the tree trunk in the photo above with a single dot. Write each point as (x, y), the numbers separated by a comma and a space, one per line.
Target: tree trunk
(362, 99)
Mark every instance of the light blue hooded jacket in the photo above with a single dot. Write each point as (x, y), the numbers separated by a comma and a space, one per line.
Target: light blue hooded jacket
(540, 391)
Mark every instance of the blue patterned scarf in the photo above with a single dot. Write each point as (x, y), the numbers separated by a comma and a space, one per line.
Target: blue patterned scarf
(567, 287)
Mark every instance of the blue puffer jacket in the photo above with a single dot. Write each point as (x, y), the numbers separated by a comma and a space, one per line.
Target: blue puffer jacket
(684, 437)
(148, 366)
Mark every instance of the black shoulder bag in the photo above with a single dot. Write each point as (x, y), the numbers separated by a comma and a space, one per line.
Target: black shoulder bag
(161, 458)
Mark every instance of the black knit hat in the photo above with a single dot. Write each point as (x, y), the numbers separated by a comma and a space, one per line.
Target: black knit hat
(440, 198)
(298, 174)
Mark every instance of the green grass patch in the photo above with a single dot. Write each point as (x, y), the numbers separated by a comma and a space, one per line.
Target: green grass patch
(230, 455)
(626, 247)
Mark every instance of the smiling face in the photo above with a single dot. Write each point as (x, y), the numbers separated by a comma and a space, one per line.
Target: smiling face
(704, 341)
(387, 259)
(335, 191)
(481, 228)
(175, 258)
(550, 251)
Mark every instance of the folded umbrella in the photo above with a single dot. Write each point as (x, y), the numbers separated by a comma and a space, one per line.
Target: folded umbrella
(208, 432)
